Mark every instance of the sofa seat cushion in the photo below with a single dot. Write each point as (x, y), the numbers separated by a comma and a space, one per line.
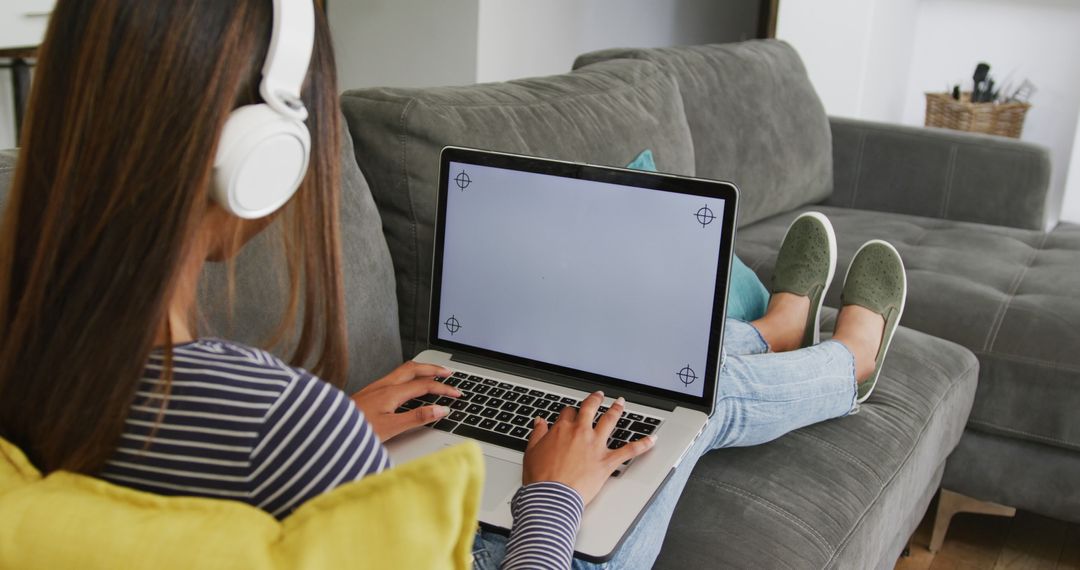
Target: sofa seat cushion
(605, 114)
(844, 493)
(1007, 294)
(755, 118)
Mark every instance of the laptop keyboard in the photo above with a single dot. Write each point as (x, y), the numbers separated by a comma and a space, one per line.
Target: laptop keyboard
(501, 413)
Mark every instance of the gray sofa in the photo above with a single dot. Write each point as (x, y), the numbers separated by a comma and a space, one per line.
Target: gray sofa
(967, 212)
(846, 493)
(987, 285)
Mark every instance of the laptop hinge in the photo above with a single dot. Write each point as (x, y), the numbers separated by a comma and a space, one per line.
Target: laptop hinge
(567, 381)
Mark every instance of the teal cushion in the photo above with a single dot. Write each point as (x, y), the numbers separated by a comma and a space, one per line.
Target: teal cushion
(644, 161)
(747, 296)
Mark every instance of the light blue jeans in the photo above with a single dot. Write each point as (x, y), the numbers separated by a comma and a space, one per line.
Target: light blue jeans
(760, 396)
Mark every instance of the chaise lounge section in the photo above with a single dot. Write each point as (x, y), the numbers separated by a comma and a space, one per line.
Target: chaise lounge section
(968, 213)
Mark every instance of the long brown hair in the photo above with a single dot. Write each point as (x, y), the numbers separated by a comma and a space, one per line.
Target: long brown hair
(113, 177)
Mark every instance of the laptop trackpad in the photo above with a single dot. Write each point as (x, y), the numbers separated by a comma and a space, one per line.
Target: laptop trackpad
(502, 479)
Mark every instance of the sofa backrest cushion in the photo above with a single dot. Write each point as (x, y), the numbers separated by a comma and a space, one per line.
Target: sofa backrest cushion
(755, 118)
(421, 514)
(261, 282)
(602, 115)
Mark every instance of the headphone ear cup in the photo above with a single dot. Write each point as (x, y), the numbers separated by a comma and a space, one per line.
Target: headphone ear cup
(261, 160)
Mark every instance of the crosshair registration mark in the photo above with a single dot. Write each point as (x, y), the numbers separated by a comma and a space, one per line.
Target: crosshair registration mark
(453, 325)
(687, 375)
(705, 216)
(462, 180)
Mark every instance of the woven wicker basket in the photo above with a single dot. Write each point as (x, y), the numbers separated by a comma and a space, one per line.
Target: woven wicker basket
(1004, 119)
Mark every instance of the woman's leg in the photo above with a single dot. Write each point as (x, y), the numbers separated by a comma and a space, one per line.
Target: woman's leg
(781, 326)
(489, 549)
(760, 397)
(741, 338)
(763, 396)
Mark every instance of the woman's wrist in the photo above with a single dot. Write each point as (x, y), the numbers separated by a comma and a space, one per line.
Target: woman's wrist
(548, 492)
(547, 515)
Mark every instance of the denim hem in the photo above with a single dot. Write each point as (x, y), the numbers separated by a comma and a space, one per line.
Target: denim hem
(854, 381)
(761, 338)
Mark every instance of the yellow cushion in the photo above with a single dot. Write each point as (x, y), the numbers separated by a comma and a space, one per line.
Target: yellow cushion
(418, 515)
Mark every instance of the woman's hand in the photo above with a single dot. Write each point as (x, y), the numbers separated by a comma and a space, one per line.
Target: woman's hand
(381, 398)
(574, 453)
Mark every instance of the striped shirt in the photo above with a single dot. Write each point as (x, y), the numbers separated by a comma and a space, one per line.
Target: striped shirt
(240, 424)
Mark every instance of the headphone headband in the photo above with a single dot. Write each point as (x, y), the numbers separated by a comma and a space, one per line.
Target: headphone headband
(292, 39)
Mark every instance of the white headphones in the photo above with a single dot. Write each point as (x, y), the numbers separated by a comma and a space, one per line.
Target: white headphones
(264, 149)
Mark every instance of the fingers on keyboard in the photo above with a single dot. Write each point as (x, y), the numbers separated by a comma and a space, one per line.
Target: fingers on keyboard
(503, 414)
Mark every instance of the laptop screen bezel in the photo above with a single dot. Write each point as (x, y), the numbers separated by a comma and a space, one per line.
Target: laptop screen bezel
(635, 178)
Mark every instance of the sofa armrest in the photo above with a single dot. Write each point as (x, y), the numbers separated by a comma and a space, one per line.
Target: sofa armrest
(939, 173)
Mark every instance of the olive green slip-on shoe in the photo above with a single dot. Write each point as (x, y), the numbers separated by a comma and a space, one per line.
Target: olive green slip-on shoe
(805, 266)
(876, 280)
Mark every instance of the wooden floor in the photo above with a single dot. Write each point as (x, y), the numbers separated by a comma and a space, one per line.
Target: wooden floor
(1027, 541)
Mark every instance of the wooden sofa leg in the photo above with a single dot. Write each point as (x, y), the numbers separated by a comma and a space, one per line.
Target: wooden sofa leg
(950, 503)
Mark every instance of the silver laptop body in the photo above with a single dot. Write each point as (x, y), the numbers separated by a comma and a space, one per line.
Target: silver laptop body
(554, 279)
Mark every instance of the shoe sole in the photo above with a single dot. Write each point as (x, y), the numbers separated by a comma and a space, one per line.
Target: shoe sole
(831, 234)
(887, 335)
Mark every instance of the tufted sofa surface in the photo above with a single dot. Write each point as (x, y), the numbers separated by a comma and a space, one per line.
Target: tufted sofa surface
(838, 494)
(1006, 294)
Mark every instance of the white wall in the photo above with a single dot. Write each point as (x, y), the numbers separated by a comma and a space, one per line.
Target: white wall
(887, 60)
(520, 38)
(1035, 39)
(857, 52)
(831, 37)
(419, 43)
(404, 43)
(523, 38)
(875, 59)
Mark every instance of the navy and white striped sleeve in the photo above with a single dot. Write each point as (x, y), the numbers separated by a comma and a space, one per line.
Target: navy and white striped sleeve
(546, 520)
(314, 438)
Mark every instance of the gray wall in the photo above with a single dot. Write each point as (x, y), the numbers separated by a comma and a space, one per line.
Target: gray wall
(419, 43)
(404, 43)
(520, 38)
(7, 110)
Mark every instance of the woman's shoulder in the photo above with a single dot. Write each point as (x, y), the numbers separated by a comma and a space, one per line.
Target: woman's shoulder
(229, 351)
(232, 367)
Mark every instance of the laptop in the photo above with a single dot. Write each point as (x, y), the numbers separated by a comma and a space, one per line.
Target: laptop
(552, 280)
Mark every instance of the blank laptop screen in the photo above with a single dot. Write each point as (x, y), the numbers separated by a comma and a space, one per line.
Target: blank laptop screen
(599, 277)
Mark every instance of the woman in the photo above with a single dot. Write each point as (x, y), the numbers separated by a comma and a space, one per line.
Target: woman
(113, 213)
